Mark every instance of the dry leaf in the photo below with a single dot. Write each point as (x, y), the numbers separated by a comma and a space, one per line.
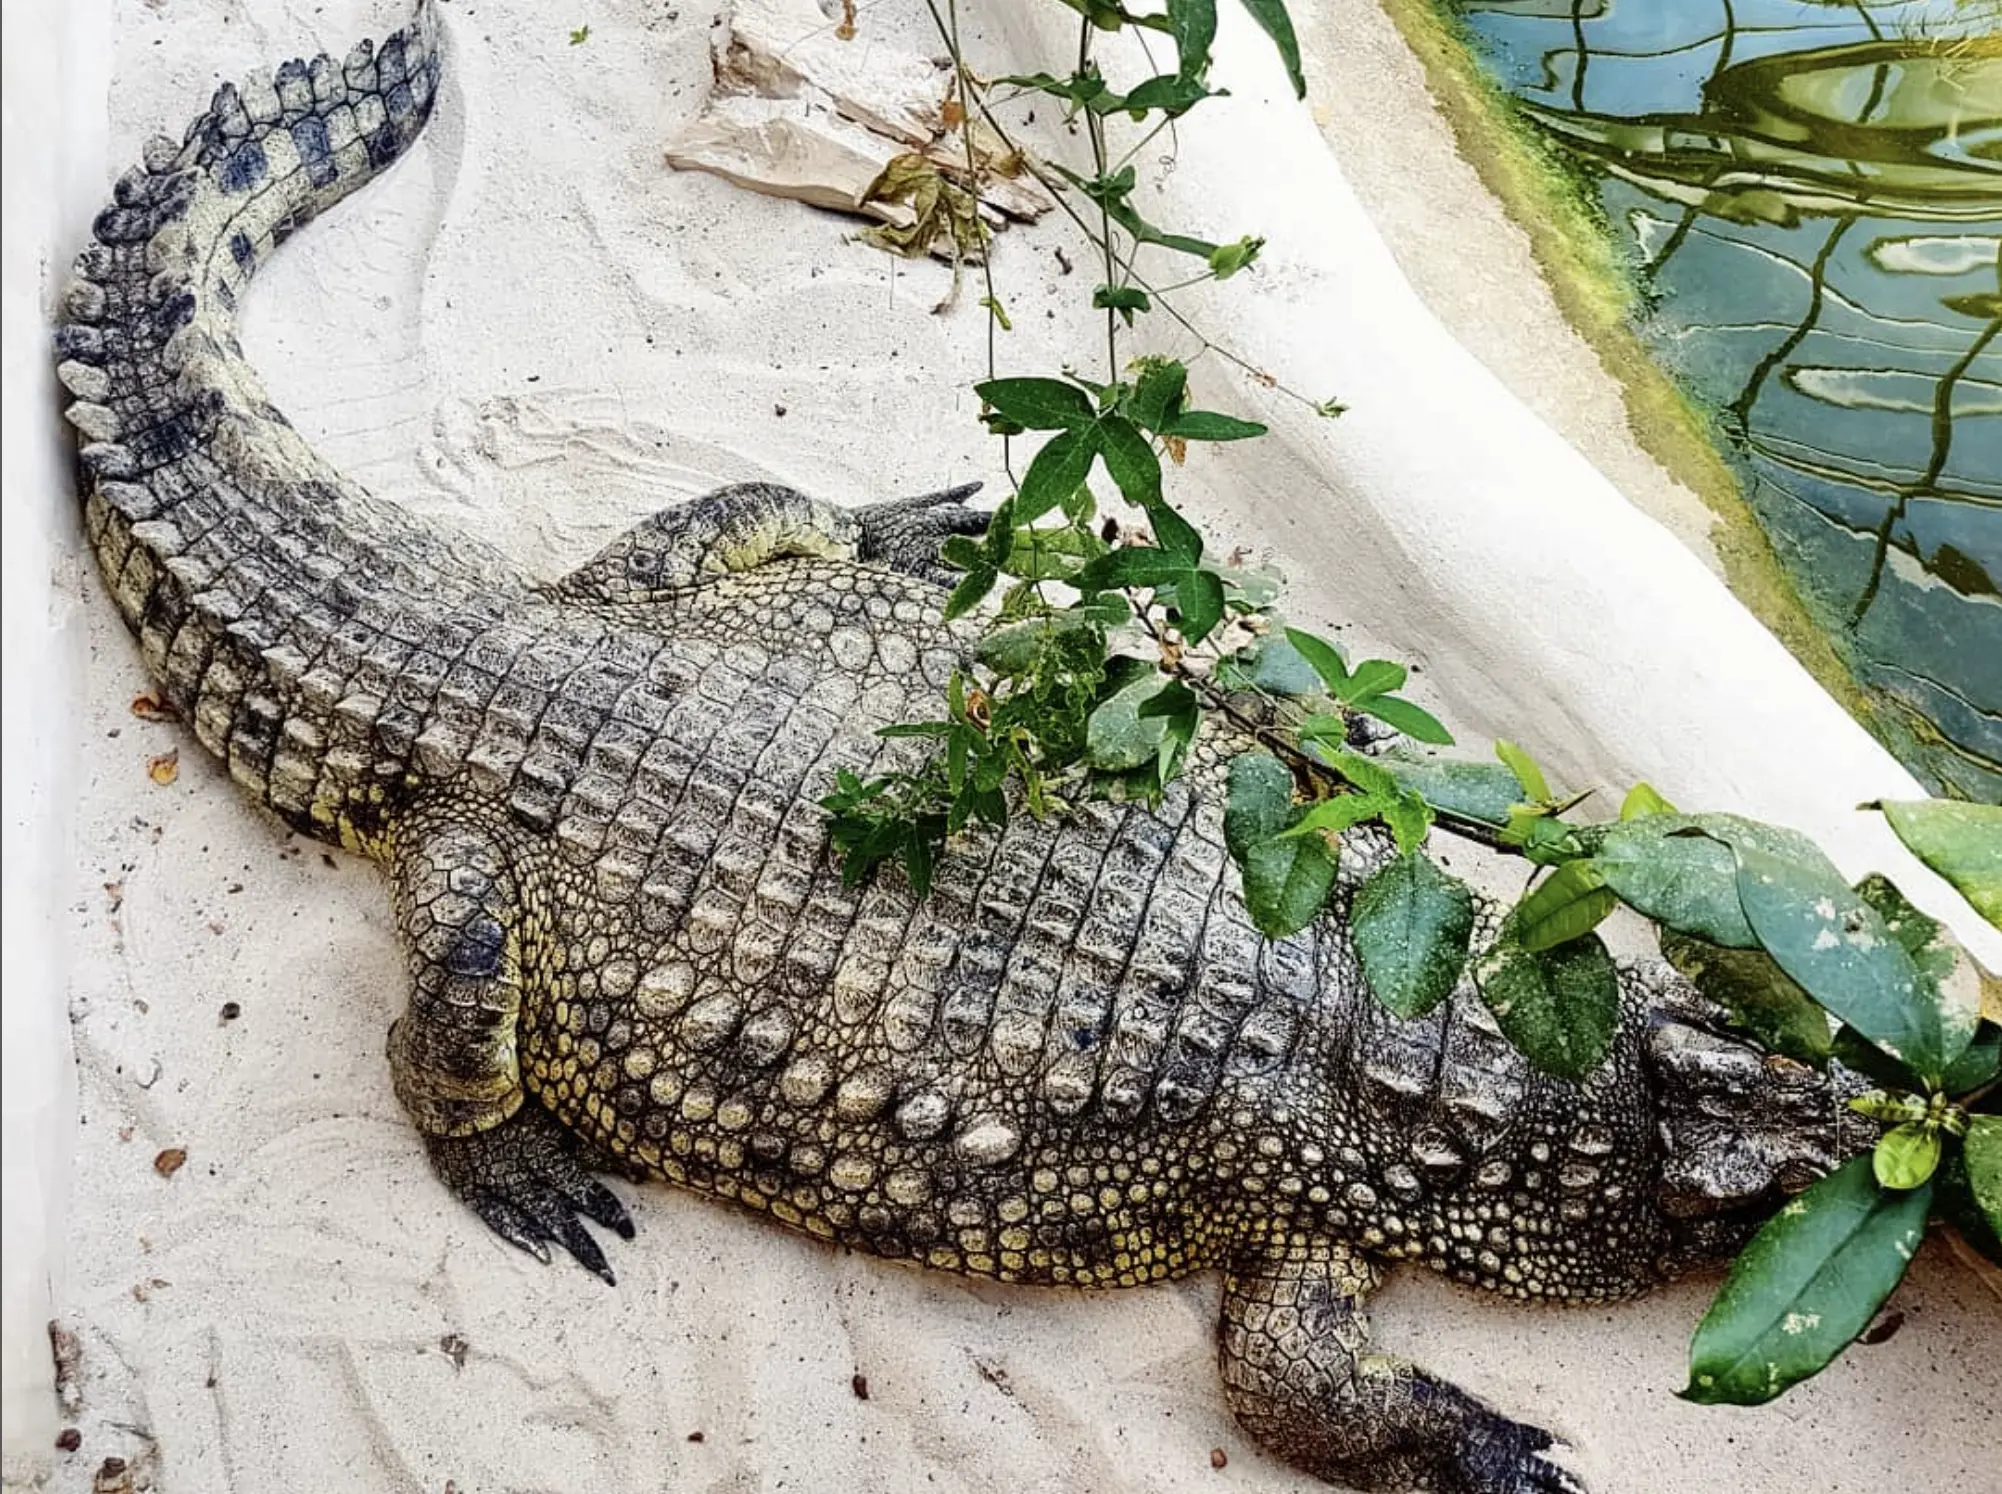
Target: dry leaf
(1177, 449)
(171, 1161)
(149, 707)
(165, 768)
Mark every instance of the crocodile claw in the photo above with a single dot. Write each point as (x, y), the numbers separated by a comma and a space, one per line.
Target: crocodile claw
(523, 1177)
(906, 533)
(1510, 1457)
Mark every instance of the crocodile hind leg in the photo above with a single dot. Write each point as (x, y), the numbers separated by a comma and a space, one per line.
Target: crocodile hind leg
(452, 1054)
(739, 528)
(1304, 1381)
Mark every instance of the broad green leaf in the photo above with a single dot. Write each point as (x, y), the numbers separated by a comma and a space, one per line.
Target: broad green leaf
(1373, 677)
(1333, 816)
(1906, 1156)
(1258, 802)
(1944, 968)
(1129, 457)
(1570, 903)
(1411, 924)
(1643, 800)
(1286, 882)
(920, 855)
(1366, 774)
(1835, 945)
(1324, 656)
(1808, 1283)
(1535, 787)
(1471, 790)
(1983, 1153)
(1193, 25)
(1271, 15)
(970, 591)
(1414, 721)
(1132, 565)
(1117, 736)
(1960, 841)
(1207, 425)
(1760, 996)
(1558, 1006)
(962, 550)
(1055, 472)
(1015, 648)
(1686, 881)
(1979, 1063)
(1954, 1201)
(1157, 392)
(1038, 404)
(1198, 604)
(1174, 533)
(1275, 665)
(1173, 96)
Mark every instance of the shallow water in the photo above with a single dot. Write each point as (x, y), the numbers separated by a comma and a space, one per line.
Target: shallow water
(1811, 195)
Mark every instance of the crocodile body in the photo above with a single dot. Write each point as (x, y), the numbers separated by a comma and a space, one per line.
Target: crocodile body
(1075, 1062)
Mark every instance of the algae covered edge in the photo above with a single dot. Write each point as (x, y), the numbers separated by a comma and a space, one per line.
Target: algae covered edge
(1592, 283)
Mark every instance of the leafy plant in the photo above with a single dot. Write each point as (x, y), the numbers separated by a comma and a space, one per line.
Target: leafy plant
(1116, 635)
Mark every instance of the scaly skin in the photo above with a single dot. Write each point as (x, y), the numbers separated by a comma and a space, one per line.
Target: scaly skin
(1074, 1063)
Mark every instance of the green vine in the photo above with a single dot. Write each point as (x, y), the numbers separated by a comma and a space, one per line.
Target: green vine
(1114, 633)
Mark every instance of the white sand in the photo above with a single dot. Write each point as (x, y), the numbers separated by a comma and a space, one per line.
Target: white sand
(532, 328)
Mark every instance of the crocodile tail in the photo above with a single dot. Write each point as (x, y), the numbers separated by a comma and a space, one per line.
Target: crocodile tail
(259, 581)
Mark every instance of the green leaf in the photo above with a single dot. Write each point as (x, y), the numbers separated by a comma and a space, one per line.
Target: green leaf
(1198, 604)
(1960, 841)
(1274, 664)
(1979, 1064)
(1808, 1283)
(1124, 299)
(1176, 534)
(970, 591)
(1946, 974)
(962, 551)
(1207, 425)
(579, 36)
(1983, 1153)
(1830, 940)
(1413, 720)
(1132, 565)
(1471, 790)
(1570, 903)
(1409, 818)
(998, 312)
(1906, 1156)
(1955, 1202)
(1411, 924)
(1227, 259)
(1372, 677)
(1129, 457)
(1686, 881)
(1324, 656)
(1193, 25)
(1016, 648)
(1038, 404)
(1080, 88)
(1172, 95)
(1117, 736)
(1055, 472)
(1333, 816)
(1558, 1006)
(1271, 15)
(1761, 997)
(1535, 787)
(1643, 800)
(1258, 801)
(1157, 393)
(1286, 882)
(920, 855)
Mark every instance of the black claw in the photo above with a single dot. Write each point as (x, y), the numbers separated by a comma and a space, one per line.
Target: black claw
(524, 1178)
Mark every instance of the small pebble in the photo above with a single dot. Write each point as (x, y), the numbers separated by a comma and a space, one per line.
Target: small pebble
(69, 1439)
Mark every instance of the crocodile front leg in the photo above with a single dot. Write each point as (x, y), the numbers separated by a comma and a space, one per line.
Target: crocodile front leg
(739, 528)
(452, 1054)
(1301, 1376)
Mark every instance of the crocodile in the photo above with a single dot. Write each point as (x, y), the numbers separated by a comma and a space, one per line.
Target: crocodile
(1072, 1063)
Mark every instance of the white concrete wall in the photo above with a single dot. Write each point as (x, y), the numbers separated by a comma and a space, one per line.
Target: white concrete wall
(57, 58)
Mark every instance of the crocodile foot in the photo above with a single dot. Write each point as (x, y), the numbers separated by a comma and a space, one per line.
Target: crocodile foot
(1511, 1457)
(524, 1178)
(906, 533)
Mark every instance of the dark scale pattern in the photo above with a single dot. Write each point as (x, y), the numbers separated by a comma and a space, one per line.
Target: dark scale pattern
(1074, 1063)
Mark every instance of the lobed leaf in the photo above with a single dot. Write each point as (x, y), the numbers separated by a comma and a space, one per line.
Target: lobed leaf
(1038, 404)
(1806, 1285)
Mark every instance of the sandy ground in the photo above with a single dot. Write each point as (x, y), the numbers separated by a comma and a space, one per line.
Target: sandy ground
(533, 329)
